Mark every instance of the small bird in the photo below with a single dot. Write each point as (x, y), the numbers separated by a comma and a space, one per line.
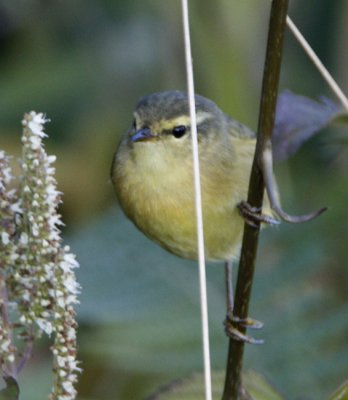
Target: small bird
(152, 174)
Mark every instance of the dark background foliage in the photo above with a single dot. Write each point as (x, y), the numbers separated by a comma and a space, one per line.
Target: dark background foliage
(85, 63)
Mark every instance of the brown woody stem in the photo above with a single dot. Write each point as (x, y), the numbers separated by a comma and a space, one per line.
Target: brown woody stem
(233, 389)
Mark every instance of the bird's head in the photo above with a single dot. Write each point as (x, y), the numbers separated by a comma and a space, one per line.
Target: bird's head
(164, 118)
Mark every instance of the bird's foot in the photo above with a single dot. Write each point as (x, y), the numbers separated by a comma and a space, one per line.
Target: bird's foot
(253, 216)
(247, 322)
(232, 324)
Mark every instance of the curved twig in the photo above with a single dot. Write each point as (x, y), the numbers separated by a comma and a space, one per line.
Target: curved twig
(266, 165)
(27, 350)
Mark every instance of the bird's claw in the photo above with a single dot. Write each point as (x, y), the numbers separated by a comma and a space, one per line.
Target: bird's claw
(234, 333)
(253, 216)
(247, 322)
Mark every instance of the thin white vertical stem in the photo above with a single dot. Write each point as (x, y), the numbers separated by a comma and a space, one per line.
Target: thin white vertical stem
(198, 203)
(316, 61)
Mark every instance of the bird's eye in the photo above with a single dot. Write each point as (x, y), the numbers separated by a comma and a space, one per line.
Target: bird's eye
(179, 131)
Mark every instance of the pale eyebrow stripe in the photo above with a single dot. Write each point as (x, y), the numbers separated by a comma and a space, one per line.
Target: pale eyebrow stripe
(185, 120)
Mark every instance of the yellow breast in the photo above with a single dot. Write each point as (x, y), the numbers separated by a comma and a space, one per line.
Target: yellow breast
(156, 193)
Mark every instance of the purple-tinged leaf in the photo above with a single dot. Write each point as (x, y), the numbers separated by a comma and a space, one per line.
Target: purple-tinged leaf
(297, 119)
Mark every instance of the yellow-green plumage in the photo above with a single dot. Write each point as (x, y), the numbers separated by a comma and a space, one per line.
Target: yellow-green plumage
(153, 175)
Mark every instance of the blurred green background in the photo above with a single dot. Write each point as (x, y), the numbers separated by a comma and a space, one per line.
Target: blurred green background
(85, 63)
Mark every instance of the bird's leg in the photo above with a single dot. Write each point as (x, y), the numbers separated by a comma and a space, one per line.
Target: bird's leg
(232, 323)
(253, 216)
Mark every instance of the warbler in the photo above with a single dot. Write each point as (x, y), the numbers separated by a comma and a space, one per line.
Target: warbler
(152, 174)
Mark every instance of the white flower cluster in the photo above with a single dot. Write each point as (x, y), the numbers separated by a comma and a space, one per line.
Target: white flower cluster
(37, 279)
(8, 207)
(45, 284)
(40, 236)
(64, 347)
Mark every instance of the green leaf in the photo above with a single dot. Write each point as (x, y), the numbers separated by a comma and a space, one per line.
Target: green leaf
(193, 388)
(341, 393)
(11, 391)
(341, 118)
(258, 387)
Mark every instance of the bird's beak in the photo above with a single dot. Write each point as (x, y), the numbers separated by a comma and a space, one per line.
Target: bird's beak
(142, 135)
